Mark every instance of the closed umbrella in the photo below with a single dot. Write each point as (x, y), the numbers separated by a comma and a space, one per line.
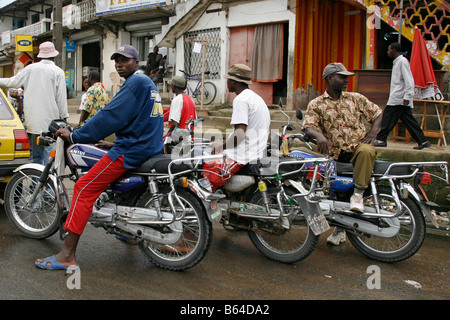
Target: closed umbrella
(422, 69)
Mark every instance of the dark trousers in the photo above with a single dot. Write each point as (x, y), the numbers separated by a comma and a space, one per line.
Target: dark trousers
(392, 114)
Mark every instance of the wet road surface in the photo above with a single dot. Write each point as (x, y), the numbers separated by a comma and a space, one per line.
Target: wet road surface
(232, 270)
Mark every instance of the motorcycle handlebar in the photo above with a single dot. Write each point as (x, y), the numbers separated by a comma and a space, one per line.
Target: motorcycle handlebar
(304, 138)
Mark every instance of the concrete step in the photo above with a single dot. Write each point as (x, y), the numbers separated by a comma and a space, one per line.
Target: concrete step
(275, 114)
(223, 123)
(73, 105)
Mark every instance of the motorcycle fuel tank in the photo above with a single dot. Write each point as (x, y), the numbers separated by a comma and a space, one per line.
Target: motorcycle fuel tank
(126, 183)
(337, 183)
(84, 155)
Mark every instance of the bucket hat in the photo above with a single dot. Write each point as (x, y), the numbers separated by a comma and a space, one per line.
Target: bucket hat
(240, 73)
(47, 50)
(336, 68)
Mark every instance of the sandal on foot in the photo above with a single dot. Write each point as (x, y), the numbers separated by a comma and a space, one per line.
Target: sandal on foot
(50, 263)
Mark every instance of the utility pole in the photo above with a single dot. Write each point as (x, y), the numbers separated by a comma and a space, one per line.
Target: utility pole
(58, 30)
(400, 23)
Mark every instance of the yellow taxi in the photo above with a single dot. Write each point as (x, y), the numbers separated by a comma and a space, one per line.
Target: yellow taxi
(14, 144)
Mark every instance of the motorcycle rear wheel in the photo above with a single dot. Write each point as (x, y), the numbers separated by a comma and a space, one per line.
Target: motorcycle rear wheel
(39, 220)
(209, 93)
(291, 245)
(194, 241)
(405, 243)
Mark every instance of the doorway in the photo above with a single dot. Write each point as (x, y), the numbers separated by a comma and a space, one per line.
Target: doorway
(241, 49)
(91, 58)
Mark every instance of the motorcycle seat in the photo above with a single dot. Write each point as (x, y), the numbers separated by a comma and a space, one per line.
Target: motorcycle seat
(267, 167)
(380, 168)
(160, 164)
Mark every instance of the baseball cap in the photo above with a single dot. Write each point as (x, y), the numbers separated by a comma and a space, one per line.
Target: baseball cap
(336, 68)
(126, 51)
(178, 81)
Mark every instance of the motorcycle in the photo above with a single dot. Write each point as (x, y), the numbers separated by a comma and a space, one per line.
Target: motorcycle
(283, 202)
(256, 199)
(392, 227)
(169, 224)
(287, 200)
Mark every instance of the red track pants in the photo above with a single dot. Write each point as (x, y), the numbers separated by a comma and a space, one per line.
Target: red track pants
(88, 188)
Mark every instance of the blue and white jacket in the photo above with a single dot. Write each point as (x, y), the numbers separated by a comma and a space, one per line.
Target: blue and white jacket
(135, 115)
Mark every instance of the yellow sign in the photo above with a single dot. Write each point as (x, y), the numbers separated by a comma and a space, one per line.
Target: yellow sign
(24, 43)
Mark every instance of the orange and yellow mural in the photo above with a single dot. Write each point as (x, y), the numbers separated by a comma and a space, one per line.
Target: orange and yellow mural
(327, 31)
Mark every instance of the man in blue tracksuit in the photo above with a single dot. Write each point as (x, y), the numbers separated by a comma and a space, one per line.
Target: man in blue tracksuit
(135, 115)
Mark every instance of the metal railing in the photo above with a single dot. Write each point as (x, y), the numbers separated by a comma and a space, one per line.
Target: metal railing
(81, 13)
(85, 12)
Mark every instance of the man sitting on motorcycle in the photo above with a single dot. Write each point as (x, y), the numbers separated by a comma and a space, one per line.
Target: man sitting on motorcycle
(251, 122)
(135, 115)
(335, 120)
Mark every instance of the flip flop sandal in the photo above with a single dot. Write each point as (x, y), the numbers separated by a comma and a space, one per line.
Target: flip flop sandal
(50, 263)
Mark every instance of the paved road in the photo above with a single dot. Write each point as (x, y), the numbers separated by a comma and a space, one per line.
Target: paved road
(232, 270)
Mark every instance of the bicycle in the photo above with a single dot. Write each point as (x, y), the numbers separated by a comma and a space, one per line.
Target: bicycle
(209, 88)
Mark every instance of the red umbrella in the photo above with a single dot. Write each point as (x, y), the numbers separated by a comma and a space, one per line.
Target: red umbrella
(423, 74)
(422, 69)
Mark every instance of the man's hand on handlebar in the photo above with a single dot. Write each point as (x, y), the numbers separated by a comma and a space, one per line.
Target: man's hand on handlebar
(322, 144)
(64, 133)
(216, 146)
(321, 141)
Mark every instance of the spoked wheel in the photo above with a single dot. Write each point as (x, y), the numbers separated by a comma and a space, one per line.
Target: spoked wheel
(38, 219)
(195, 238)
(405, 243)
(280, 244)
(209, 93)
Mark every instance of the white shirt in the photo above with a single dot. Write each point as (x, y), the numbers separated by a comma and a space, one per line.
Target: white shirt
(176, 107)
(251, 110)
(83, 99)
(402, 83)
(45, 95)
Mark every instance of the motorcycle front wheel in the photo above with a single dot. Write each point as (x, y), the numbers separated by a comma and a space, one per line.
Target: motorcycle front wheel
(39, 219)
(405, 243)
(195, 239)
(286, 246)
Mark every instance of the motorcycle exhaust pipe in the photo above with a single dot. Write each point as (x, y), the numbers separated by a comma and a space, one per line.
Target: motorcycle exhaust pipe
(149, 233)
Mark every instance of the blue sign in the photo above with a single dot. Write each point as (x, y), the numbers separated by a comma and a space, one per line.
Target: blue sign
(24, 43)
(71, 46)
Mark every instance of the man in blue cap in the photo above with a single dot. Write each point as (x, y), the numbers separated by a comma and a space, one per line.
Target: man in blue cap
(135, 115)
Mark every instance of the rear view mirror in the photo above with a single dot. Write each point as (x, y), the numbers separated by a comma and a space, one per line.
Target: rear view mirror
(299, 114)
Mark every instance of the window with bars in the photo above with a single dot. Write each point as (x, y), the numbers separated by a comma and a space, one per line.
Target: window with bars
(193, 60)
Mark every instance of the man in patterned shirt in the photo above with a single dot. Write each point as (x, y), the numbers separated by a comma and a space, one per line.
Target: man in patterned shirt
(335, 120)
(96, 97)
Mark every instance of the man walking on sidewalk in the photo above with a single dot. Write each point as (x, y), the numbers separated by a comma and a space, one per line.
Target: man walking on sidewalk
(400, 101)
(46, 97)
